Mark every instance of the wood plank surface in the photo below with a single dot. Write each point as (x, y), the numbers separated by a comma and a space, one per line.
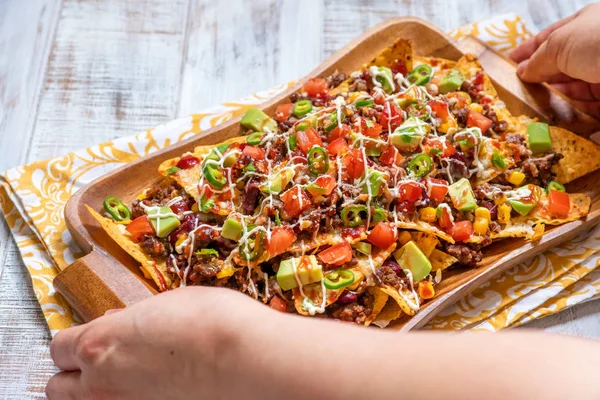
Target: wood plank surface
(73, 73)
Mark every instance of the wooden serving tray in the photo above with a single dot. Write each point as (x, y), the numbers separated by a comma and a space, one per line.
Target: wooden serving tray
(107, 277)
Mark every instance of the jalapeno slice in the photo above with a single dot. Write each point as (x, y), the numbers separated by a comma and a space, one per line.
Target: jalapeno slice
(214, 176)
(338, 279)
(332, 122)
(257, 243)
(302, 107)
(302, 126)
(364, 103)
(553, 185)
(318, 160)
(421, 165)
(255, 138)
(292, 142)
(173, 170)
(498, 160)
(351, 215)
(419, 110)
(420, 75)
(116, 209)
(379, 215)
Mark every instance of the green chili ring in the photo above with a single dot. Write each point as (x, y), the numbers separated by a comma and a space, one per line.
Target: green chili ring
(420, 75)
(338, 279)
(258, 246)
(116, 209)
(318, 160)
(214, 176)
(302, 107)
(255, 138)
(379, 215)
(554, 185)
(364, 103)
(419, 110)
(292, 142)
(333, 121)
(351, 215)
(420, 165)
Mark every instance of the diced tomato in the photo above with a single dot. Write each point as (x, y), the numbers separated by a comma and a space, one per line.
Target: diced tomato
(187, 162)
(478, 81)
(338, 146)
(295, 201)
(339, 132)
(391, 156)
(307, 139)
(446, 148)
(559, 203)
(440, 108)
(256, 153)
(278, 304)
(486, 100)
(410, 191)
(139, 227)
(370, 128)
(444, 218)
(476, 119)
(322, 186)
(316, 87)
(383, 235)
(461, 97)
(179, 207)
(338, 254)
(378, 96)
(353, 162)
(400, 67)
(281, 239)
(283, 112)
(438, 189)
(391, 117)
(461, 231)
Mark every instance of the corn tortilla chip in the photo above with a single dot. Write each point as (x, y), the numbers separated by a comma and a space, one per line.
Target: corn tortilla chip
(440, 260)
(426, 242)
(424, 227)
(580, 156)
(380, 298)
(390, 312)
(402, 297)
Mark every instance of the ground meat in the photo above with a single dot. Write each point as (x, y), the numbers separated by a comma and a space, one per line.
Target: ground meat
(335, 79)
(497, 126)
(205, 268)
(251, 197)
(285, 126)
(388, 276)
(356, 312)
(495, 226)
(539, 170)
(466, 255)
(154, 246)
(457, 166)
(461, 115)
(158, 195)
(515, 138)
(358, 85)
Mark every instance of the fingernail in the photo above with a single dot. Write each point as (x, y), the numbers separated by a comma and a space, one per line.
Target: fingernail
(112, 311)
(521, 67)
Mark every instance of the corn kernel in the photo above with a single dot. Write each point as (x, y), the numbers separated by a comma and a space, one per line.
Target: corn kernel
(404, 237)
(426, 290)
(516, 178)
(476, 107)
(504, 213)
(195, 208)
(481, 226)
(500, 200)
(428, 214)
(482, 212)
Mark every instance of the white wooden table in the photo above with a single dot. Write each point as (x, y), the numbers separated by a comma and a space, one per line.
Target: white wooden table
(74, 73)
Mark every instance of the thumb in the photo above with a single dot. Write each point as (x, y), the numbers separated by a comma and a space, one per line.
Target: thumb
(543, 64)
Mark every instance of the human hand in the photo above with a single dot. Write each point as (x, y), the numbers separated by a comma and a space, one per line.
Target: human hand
(566, 55)
(169, 346)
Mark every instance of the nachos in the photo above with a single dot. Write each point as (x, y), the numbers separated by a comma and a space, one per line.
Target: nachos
(353, 198)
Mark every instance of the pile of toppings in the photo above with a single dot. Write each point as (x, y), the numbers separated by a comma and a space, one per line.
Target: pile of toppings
(310, 210)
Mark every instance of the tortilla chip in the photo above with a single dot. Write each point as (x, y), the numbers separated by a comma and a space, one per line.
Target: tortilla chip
(378, 257)
(400, 298)
(581, 156)
(440, 260)
(389, 313)
(157, 270)
(580, 206)
(426, 242)
(314, 292)
(380, 298)
(424, 227)
(324, 239)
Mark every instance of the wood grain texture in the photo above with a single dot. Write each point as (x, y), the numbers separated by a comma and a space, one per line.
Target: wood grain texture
(24, 362)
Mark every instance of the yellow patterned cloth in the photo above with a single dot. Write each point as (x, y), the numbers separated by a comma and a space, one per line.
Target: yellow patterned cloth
(33, 197)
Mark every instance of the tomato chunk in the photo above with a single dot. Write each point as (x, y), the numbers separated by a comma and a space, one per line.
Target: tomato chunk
(461, 231)
(475, 119)
(256, 153)
(354, 164)
(391, 117)
(283, 112)
(316, 87)
(391, 156)
(370, 128)
(337, 147)
(383, 235)
(278, 304)
(139, 227)
(440, 108)
(438, 189)
(322, 186)
(338, 254)
(295, 201)
(281, 239)
(187, 162)
(444, 148)
(559, 203)
(307, 139)
(339, 132)
(410, 191)
(444, 218)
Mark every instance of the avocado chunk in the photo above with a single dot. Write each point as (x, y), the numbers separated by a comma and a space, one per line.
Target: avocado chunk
(232, 229)
(258, 121)
(386, 78)
(279, 182)
(306, 268)
(164, 221)
(521, 207)
(413, 94)
(376, 178)
(411, 258)
(462, 195)
(451, 82)
(540, 140)
(408, 136)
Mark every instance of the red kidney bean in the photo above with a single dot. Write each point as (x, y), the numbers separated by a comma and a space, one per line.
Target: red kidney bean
(180, 207)
(347, 298)
(393, 265)
(187, 162)
(493, 209)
